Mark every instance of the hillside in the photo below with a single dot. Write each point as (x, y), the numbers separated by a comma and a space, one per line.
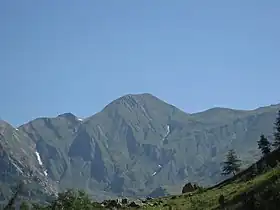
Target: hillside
(257, 187)
(136, 144)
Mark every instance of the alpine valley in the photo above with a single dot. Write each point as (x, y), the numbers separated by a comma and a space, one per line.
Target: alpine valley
(137, 146)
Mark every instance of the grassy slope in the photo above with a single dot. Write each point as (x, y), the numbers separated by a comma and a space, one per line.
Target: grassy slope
(209, 199)
(235, 190)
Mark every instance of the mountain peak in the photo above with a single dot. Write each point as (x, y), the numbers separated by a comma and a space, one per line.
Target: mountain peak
(132, 100)
(137, 96)
(68, 115)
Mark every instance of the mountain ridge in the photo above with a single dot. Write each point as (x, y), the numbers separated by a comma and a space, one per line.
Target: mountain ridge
(138, 143)
(151, 96)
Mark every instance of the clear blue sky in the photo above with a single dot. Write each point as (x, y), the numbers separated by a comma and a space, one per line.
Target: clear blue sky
(77, 56)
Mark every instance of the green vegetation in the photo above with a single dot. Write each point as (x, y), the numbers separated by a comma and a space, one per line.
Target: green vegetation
(234, 194)
(276, 142)
(232, 164)
(264, 145)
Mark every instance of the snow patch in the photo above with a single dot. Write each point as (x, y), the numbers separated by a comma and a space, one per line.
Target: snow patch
(39, 158)
(17, 129)
(80, 119)
(41, 163)
(158, 170)
(168, 129)
(167, 132)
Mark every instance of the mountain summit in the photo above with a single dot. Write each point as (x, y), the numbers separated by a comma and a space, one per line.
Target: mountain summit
(136, 144)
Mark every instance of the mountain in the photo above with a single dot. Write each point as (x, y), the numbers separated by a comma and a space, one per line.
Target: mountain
(256, 187)
(136, 144)
(19, 162)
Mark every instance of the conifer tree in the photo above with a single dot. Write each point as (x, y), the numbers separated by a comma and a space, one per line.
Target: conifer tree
(232, 163)
(276, 142)
(264, 145)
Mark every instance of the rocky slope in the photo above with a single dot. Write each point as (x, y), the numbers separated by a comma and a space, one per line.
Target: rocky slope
(135, 145)
(20, 161)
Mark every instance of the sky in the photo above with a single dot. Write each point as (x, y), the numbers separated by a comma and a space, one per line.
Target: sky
(78, 56)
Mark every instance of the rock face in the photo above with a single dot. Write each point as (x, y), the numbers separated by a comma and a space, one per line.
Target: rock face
(19, 163)
(133, 146)
(189, 188)
(158, 192)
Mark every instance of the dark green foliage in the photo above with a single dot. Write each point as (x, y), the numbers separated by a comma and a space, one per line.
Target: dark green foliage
(267, 198)
(124, 201)
(111, 204)
(264, 145)
(249, 200)
(232, 163)
(201, 189)
(276, 142)
(222, 201)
